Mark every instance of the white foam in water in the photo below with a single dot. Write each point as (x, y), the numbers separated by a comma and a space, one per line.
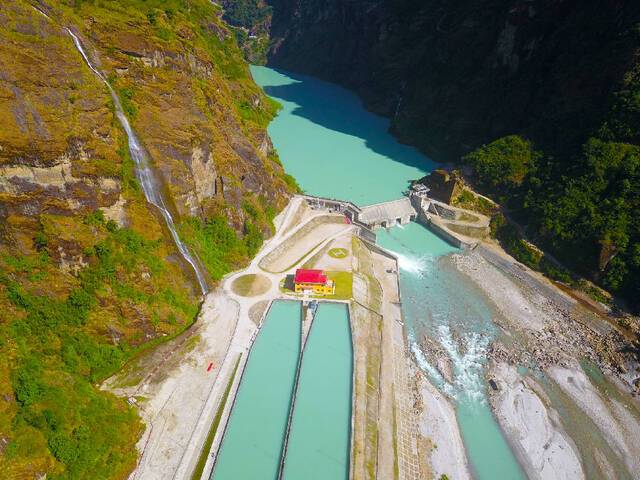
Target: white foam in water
(425, 366)
(468, 366)
(413, 265)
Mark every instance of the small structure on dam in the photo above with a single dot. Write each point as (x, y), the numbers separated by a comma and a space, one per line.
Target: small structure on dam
(370, 217)
(388, 214)
(460, 227)
(313, 281)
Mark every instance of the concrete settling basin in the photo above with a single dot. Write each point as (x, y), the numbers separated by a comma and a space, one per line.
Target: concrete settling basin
(292, 414)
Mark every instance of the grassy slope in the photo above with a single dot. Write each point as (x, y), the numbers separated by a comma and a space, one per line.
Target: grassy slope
(78, 294)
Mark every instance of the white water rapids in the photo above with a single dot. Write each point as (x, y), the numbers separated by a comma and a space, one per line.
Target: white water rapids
(143, 171)
(465, 352)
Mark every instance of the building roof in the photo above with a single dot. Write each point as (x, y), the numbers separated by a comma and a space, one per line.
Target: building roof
(310, 276)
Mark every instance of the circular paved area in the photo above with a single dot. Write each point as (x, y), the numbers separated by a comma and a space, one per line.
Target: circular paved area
(251, 285)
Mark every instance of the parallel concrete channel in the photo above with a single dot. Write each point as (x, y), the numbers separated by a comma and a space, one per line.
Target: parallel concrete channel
(303, 341)
(322, 430)
(305, 332)
(261, 449)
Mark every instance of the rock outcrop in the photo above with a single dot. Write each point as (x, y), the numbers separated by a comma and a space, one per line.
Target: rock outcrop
(88, 273)
(453, 76)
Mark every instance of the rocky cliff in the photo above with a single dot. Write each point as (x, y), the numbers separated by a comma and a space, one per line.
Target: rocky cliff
(560, 77)
(88, 273)
(454, 76)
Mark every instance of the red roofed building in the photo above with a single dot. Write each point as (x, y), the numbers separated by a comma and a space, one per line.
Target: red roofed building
(313, 281)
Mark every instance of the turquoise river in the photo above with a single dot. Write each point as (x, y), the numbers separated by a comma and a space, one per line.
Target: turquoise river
(335, 148)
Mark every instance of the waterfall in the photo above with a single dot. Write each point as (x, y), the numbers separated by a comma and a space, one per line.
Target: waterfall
(143, 171)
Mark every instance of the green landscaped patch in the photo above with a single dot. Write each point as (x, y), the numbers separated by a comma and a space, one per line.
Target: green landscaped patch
(344, 286)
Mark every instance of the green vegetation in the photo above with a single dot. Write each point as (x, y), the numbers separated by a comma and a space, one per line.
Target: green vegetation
(344, 285)
(218, 245)
(504, 163)
(251, 20)
(128, 105)
(580, 203)
(470, 201)
(58, 355)
(246, 13)
(525, 252)
(591, 219)
(292, 183)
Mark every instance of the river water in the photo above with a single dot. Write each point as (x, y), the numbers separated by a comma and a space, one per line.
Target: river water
(335, 148)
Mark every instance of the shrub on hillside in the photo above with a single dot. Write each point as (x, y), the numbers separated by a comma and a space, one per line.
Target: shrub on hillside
(504, 163)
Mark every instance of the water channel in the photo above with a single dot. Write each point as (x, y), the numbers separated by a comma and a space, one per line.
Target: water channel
(321, 424)
(252, 443)
(335, 148)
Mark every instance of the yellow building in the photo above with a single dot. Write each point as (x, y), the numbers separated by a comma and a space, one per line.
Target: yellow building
(313, 281)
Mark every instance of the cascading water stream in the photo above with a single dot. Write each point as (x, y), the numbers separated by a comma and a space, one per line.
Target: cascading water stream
(143, 171)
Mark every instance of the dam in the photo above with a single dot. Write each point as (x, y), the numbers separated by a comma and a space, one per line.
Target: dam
(338, 150)
(388, 214)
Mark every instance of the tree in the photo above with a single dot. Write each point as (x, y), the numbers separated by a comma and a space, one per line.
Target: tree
(504, 163)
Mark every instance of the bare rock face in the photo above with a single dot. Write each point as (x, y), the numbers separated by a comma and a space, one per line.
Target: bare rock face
(62, 153)
(204, 173)
(195, 119)
(455, 75)
(88, 273)
(58, 141)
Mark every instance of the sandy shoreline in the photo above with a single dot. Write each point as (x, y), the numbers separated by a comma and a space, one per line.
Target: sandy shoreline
(616, 423)
(550, 333)
(439, 427)
(533, 430)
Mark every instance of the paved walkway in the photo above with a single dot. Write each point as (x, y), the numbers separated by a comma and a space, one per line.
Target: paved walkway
(395, 366)
(245, 332)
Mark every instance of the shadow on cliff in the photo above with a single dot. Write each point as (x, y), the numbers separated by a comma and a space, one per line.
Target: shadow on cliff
(340, 110)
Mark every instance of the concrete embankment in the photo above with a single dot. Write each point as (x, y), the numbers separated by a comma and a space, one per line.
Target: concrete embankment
(262, 404)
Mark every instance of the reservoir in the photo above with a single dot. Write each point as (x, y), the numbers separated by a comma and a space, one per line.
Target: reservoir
(321, 424)
(252, 443)
(335, 148)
